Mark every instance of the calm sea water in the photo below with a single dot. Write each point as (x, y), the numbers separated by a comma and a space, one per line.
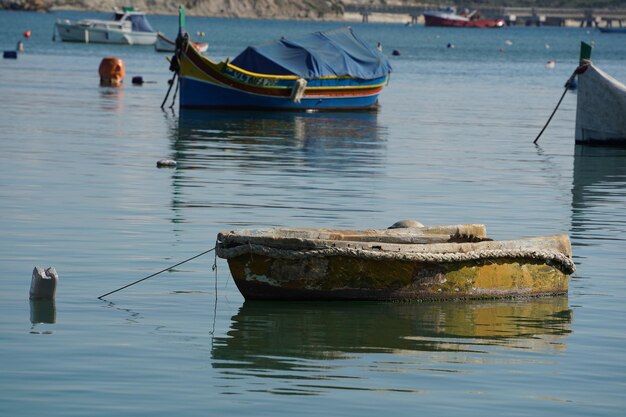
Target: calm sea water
(452, 143)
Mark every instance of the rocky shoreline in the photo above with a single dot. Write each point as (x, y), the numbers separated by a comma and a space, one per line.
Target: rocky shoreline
(262, 9)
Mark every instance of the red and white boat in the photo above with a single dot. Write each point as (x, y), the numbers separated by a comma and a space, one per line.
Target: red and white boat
(450, 18)
(164, 44)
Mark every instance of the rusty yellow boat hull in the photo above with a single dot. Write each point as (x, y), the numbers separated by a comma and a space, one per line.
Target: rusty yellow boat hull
(425, 263)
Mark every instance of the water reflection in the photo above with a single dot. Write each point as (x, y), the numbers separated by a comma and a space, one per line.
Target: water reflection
(282, 336)
(42, 312)
(260, 162)
(339, 140)
(599, 186)
(111, 99)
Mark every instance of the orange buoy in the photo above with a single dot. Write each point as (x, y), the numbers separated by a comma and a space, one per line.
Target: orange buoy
(111, 72)
(27, 34)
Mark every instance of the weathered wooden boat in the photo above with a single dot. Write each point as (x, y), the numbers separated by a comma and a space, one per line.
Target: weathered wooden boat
(600, 106)
(165, 44)
(449, 18)
(332, 70)
(415, 263)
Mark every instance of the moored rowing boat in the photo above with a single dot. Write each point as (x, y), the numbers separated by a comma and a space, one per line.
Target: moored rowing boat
(434, 263)
(600, 105)
(164, 44)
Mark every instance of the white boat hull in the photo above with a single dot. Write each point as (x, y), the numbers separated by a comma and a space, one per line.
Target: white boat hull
(164, 45)
(600, 109)
(75, 32)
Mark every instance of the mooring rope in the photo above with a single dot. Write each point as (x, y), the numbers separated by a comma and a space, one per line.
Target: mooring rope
(568, 85)
(554, 258)
(161, 271)
(171, 82)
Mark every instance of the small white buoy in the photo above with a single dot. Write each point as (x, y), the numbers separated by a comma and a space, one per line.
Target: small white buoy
(43, 284)
(166, 163)
(508, 42)
(551, 64)
(547, 46)
(450, 45)
(403, 224)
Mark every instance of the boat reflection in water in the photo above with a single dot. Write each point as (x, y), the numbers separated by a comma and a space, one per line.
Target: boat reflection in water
(263, 161)
(353, 137)
(282, 339)
(598, 188)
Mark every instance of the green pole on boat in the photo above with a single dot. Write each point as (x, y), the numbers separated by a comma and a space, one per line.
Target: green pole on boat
(181, 19)
(585, 52)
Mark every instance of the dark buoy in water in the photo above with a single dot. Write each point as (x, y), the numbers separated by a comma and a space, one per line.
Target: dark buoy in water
(137, 80)
(395, 52)
(404, 224)
(9, 55)
(43, 284)
(166, 163)
(450, 45)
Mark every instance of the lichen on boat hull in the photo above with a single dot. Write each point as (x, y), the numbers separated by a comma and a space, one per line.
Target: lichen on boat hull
(345, 278)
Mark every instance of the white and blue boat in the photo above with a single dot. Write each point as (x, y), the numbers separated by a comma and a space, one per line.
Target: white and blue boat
(127, 26)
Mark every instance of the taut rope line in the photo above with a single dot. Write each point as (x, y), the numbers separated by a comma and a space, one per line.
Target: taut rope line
(567, 87)
(161, 271)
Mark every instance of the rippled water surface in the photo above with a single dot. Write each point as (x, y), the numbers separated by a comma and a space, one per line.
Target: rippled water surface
(452, 143)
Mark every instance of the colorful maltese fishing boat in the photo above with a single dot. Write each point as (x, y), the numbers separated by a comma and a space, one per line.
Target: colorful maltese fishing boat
(332, 70)
(400, 263)
(449, 18)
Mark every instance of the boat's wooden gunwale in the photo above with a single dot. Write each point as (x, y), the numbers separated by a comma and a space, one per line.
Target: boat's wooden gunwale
(283, 237)
(434, 245)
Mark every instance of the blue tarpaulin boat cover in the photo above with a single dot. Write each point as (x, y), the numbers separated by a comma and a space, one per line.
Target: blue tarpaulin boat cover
(141, 24)
(332, 53)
